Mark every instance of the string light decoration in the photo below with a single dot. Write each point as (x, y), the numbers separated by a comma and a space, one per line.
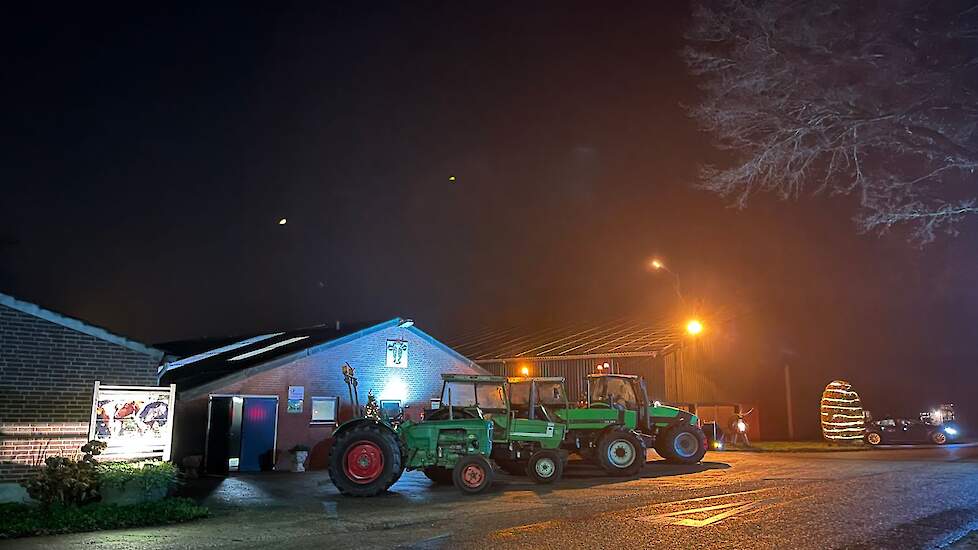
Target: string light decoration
(372, 408)
(842, 413)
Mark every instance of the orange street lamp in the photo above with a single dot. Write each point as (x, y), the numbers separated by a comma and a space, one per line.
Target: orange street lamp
(657, 265)
(525, 371)
(694, 327)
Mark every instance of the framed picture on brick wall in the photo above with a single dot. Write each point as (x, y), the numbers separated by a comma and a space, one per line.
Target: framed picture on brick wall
(133, 421)
(397, 353)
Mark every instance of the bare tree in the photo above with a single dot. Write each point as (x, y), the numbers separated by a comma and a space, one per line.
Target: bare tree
(877, 99)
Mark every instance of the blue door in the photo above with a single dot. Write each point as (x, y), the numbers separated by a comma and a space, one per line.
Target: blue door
(258, 434)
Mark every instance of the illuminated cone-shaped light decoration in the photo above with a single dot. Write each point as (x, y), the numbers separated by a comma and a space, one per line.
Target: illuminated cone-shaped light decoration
(842, 413)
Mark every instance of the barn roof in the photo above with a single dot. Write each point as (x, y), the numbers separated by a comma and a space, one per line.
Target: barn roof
(627, 337)
(232, 357)
(79, 326)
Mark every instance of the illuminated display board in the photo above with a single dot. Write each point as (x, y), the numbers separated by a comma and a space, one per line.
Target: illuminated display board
(133, 421)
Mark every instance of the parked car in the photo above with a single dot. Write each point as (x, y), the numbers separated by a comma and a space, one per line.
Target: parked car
(904, 430)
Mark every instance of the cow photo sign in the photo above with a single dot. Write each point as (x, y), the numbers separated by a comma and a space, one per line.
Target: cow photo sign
(133, 421)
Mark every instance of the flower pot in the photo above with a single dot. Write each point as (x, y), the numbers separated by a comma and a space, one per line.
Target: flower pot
(132, 492)
(299, 461)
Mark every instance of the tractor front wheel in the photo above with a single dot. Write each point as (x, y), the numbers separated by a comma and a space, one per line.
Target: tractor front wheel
(472, 474)
(439, 475)
(545, 466)
(365, 460)
(681, 444)
(621, 452)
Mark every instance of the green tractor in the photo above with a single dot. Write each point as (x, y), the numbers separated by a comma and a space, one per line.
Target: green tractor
(457, 443)
(617, 422)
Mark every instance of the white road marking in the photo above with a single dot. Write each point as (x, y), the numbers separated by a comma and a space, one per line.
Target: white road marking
(731, 509)
(727, 510)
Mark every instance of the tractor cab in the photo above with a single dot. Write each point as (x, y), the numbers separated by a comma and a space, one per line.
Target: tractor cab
(623, 392)
(472, 396)
(492, 398)
(537, 398)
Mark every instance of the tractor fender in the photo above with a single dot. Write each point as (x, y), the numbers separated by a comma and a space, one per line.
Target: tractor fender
(350, 424)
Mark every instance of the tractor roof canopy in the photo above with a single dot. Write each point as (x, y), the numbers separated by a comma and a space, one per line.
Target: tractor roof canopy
(632, 376)
(519, 379)
(472, 378)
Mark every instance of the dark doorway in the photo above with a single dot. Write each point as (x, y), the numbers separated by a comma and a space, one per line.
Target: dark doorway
(241, 434)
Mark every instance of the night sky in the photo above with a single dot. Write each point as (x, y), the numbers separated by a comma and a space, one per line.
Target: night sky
(148, 156)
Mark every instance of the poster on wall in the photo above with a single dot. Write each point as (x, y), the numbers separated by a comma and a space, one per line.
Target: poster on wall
(296, 395)
(397, 353)
(133, 421)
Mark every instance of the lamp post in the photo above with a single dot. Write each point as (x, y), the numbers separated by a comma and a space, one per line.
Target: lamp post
(657, 265)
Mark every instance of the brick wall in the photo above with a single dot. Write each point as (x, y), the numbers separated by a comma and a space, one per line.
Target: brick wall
(47, 372)
(320, 375)
(25, 446)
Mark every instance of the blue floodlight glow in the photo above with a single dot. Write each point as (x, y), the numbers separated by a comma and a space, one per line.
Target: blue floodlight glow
(950, 431)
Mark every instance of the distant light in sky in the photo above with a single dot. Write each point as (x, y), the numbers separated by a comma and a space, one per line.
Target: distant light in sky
(451, 179)
(283, 221)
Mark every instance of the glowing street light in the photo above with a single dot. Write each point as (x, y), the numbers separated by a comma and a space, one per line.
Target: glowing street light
(694, 327)
(525, 371)
(657, 265)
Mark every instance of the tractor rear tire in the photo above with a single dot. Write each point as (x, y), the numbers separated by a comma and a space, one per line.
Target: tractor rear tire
(472, 474)
(621, 452)
(438, 475)
(681, 444)
(365, 460)
(545, 466)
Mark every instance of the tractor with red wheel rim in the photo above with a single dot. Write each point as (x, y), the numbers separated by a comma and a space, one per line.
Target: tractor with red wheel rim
(458, 443)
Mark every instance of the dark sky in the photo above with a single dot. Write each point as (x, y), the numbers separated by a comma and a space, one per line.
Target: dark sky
(148, 156)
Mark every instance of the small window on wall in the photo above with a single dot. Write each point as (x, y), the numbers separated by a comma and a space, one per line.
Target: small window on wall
(324, 410)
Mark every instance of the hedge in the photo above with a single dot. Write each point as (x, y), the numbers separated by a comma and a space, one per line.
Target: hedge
(22, 520)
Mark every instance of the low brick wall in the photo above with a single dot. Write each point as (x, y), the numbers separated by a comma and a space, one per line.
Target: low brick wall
(24, 446)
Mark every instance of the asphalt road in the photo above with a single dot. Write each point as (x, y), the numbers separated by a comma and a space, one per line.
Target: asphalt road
(919, 498)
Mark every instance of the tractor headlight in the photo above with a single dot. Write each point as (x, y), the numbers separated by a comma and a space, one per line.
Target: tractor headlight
(950, 431)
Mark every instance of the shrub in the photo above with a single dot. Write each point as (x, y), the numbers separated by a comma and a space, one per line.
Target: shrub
(149, 475)
(20, 520)
(92, 449)
(63, 481)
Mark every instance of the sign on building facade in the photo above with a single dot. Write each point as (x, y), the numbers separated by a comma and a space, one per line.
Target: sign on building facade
(397, 353)
(133, 421)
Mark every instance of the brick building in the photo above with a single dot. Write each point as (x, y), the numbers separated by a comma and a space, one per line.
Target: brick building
(242, 405)
(48, 366)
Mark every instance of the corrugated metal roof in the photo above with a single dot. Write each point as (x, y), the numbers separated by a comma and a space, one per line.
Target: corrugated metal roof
(618, 338)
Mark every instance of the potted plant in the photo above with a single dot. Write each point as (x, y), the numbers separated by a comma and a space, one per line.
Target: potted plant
(299, 454)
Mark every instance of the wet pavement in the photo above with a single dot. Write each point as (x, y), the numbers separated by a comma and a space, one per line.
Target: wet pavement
(907, 498)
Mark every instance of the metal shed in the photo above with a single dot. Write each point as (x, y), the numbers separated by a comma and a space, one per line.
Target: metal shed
(650, 348)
